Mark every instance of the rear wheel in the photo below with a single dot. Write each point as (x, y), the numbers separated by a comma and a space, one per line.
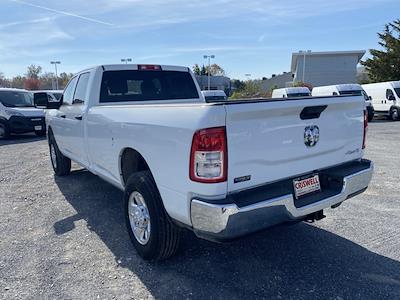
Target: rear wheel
(61, 164)
(4, 131)
(394, 114)
(152, 232)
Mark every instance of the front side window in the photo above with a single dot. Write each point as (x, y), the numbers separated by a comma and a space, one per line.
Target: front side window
(141, 85)
(389, 94)
(16, 99)
(69, 91)
(81, 88)
(397, 90)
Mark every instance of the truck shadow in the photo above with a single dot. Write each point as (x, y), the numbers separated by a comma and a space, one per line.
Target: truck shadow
(21, 139)
(300, 261)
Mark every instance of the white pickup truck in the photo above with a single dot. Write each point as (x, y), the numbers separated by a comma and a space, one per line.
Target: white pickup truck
(223, 169)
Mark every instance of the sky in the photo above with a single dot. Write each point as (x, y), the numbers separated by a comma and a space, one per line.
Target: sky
(246, 36)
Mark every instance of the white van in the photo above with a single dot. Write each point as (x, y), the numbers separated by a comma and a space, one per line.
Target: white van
(346, 89)
(385, 97)
(18, 114)
(214, 95)
(291, 92)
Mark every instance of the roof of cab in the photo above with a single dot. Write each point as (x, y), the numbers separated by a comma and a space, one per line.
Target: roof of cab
(340, 87)
(14, 90)
(118, 67)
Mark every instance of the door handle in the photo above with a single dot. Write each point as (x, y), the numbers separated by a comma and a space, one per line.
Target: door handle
(62, 116)
(78, 117)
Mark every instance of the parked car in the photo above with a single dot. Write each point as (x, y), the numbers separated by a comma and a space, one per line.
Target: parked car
(54, 95)
(291, 92)
(385, 98)
(222, 169)
(18, 114)
(346, 89)
(215, 95)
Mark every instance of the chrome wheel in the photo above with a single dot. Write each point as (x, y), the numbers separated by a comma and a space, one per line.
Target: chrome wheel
(53, 156)
(395, 115)
(139, 218)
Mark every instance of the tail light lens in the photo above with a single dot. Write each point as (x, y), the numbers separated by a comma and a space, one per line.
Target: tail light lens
(365, 128)
(209, 157)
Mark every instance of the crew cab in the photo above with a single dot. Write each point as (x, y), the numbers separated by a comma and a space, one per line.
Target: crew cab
(18, 113)
(223, 169)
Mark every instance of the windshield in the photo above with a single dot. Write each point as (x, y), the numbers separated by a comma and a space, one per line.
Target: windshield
(397, 90)
(215, 97)
(295, 95)
(16, 99)
(355, 93)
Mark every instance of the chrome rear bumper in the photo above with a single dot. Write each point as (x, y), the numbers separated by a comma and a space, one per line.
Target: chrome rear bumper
(228, 221)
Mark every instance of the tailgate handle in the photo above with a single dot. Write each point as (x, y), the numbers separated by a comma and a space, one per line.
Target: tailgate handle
(312, 112)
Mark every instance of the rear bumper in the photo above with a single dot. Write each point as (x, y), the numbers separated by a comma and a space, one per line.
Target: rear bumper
(19, 124)
(230, 218)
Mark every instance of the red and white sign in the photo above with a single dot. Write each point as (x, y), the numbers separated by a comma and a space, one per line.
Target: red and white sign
(306, 186)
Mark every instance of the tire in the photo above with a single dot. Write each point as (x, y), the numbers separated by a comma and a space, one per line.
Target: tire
(60, 163)
(162, 240)
(40, 133)
(395, 114)
(370, 116)
(4, 131)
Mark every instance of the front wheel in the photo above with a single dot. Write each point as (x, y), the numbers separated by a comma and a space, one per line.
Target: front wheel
(395, 114)
(150, 229)
(4, 131)
(61, 164)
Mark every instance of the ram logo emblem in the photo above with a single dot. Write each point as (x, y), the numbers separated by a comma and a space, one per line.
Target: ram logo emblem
(311, 135)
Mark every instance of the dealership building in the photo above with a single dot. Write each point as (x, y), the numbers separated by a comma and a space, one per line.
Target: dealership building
(318, 69)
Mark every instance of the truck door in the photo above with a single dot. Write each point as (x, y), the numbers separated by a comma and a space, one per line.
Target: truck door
(74, 120)
(59, 120)
(390, 99)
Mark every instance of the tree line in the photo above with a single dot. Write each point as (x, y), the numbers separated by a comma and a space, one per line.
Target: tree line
(35, 79)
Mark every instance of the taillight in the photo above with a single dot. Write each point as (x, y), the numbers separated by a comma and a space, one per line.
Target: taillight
(208, 156)
(365, 128)
(149, 67)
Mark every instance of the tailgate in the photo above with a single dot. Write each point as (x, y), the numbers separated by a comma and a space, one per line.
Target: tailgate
(266, 140)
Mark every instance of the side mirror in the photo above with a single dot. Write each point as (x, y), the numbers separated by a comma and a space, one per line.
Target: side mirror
(369, 98)
(391, 98)
(41, 100)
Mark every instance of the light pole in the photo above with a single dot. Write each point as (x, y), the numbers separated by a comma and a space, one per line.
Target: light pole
(304, 62)
(126, 60)
(55, 63)
(209, 67)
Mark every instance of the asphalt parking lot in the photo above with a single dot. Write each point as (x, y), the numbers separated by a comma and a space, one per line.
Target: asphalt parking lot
(64, 238)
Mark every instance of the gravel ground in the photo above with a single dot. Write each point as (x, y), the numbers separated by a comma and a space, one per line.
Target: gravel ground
(64, 238)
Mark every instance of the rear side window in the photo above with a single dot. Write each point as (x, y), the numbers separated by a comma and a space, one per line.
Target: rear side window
(141, 85)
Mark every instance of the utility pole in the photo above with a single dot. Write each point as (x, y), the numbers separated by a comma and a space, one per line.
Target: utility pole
(304, 62)
(209, 67)
(55, 63)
